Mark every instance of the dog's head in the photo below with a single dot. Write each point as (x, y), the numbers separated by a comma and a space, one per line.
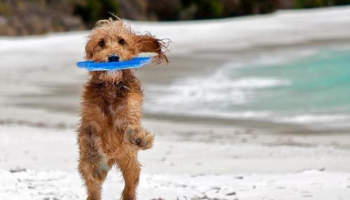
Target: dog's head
(112, 40)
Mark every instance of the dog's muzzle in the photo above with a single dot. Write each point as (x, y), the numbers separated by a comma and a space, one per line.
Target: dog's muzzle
(113, 58)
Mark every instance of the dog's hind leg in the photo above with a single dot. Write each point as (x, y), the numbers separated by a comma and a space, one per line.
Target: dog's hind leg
(93, 163)
(130, 169)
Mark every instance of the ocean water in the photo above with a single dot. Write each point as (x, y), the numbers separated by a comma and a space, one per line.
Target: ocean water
(312, 89)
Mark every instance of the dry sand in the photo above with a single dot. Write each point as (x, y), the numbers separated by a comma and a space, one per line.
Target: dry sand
(187, 161)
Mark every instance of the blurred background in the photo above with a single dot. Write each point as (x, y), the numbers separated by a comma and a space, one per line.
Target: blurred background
(41, 16)
(256, 88)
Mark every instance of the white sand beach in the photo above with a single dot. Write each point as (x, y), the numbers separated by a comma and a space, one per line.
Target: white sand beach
(187, 162)
(193, 157)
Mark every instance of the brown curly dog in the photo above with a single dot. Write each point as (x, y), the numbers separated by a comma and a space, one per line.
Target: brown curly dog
(110, 131)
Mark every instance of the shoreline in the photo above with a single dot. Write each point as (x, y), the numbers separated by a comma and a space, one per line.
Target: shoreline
(63, 97)
(45, 92)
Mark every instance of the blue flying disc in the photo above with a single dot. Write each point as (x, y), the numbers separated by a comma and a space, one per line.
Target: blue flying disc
(107, 66)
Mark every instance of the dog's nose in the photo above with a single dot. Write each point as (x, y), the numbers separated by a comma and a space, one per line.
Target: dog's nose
(113, 58)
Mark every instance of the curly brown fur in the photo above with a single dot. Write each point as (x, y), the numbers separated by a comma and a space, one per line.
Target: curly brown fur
(110, 132)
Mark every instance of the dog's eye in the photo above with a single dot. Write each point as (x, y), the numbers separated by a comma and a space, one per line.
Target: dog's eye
(121, 41)
(101, 43)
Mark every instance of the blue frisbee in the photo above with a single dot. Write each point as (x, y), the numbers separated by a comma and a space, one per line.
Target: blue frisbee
(108, 66)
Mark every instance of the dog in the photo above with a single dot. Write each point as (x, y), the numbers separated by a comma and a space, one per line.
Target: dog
(110, 131)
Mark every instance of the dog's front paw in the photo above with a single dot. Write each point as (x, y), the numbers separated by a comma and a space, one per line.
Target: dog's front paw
(139, 137)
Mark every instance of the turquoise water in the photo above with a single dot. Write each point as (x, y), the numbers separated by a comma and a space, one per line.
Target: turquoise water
(319, 84)
(312, 91)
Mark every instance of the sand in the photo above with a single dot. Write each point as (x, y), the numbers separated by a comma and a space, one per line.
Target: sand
(187, 161)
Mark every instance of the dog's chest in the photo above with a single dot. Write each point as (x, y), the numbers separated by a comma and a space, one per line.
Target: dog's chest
(114, 110)
(114, 102)
(118, 114)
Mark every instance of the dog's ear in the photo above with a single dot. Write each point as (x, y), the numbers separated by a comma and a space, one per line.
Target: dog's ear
(149, 44)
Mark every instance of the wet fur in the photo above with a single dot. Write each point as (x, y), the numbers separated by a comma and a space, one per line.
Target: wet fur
(110, 131)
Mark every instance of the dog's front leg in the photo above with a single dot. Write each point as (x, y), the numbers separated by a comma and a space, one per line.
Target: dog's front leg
(134, 133)
(139, 137)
